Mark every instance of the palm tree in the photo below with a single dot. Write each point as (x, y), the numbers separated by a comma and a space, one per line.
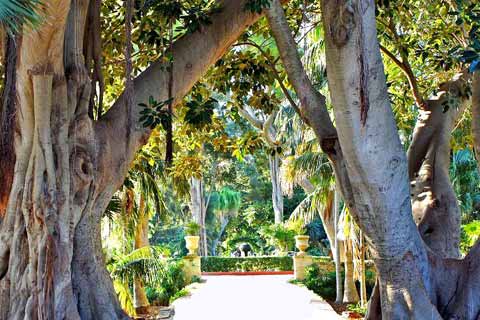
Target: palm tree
(140, 198)
(225, 205)
(16, 13)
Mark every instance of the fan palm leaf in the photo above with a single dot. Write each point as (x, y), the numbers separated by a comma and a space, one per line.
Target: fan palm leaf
(15, 13)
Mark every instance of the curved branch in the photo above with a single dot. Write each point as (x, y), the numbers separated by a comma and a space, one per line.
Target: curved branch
(407, 70)
(313, 104)
(268, 128)
(251, 118)
(193, 55)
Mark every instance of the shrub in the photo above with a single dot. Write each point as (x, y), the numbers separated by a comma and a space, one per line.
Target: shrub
(231, 264)
(182, 293)
(320, 278)
(357, 308)
(280, 236)
(320, 282)
(192, 229)
(470, 234)
(170, 281)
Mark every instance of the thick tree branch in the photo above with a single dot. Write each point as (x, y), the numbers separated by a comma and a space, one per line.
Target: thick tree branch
(313, 106)
(431, 119)
(193, 54)
(404, 65)
(254, 121)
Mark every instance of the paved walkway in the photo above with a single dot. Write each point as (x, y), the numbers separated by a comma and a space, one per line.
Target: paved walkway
(252, 298)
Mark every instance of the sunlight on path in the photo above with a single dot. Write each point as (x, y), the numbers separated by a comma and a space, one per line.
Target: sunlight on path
(252, 298)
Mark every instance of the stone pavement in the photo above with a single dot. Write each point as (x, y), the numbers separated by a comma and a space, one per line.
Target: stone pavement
(268, 297)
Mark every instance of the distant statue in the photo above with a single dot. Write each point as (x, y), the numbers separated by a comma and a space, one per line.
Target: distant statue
(245, 250)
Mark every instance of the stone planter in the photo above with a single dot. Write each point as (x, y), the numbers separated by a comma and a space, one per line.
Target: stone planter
(192, 244)
(301, 242)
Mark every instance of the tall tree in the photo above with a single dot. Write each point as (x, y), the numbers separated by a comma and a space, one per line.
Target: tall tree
(371, 167)
(274, 157)
(68, 166)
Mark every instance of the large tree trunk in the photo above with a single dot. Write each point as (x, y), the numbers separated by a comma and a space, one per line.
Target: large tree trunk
(435, 207)
(371, 167)
(413, 282)
(277, 195)
(199, 211)
(67, 167)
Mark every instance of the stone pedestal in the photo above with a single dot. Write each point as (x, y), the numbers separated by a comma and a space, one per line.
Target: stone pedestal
(191, 267)
(300, 262)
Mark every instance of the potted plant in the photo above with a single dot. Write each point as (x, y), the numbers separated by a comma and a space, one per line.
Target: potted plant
(192, 239)
(301, 238)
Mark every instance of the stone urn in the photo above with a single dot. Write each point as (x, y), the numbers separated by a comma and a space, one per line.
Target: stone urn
(192, 244)
(301, 242)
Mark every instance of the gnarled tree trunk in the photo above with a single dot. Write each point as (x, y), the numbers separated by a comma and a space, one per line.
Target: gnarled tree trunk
(413, 281)
(434, 204)
(67, 166)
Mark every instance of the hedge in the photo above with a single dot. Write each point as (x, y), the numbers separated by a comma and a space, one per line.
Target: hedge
(234, 264)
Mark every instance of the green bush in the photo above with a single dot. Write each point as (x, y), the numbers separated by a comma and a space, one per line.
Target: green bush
(168, 282)
(470, 234)
(182, 293)
(280, 236)
(320, 278)
(320, 282)
(192, 229)
(233, 264)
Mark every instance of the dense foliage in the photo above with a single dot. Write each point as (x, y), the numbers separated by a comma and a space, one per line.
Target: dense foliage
(234, 264)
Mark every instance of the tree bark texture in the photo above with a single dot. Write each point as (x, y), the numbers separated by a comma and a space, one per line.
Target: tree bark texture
(371, 167)
(434, 204)
(67, 166)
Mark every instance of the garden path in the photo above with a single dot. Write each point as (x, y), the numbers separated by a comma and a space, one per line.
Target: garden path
(269, 297)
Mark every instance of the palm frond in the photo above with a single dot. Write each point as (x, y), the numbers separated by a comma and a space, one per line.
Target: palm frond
(16, 13)
(124, 296)
(146, 263)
